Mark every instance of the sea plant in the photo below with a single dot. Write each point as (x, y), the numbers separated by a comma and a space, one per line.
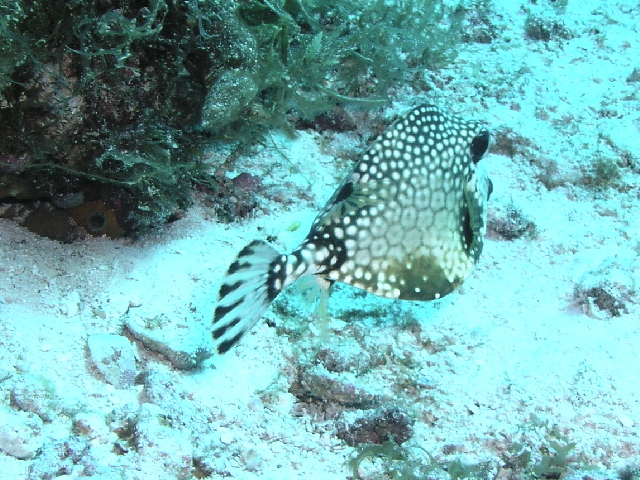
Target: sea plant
(113, 101)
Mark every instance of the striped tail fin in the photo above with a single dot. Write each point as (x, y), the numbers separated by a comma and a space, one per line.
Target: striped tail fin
(252, 282)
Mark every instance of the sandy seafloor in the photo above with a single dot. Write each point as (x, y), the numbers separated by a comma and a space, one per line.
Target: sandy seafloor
(538, 351)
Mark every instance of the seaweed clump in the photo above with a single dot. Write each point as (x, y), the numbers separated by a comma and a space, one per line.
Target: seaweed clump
(96, 104)
(401, 463)
(112, 101)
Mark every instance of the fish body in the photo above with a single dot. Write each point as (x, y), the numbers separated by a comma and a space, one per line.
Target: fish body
(407, 223)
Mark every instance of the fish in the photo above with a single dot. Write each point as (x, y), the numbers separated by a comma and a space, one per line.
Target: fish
(407, 223)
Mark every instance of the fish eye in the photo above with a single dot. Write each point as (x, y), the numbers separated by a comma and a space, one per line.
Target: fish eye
(479, 145)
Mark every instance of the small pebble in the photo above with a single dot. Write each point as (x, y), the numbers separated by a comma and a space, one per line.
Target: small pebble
(625, 420)
(114, 357)
(134, 303)
(70, 306)
(227, 438)
(19, 434)
(473, 408)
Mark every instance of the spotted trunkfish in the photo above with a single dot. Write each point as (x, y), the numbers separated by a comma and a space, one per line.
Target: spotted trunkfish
(407, 223)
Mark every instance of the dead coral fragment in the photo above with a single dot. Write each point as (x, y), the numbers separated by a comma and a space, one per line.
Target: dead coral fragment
(510, 223)
(182, 341)
(609, 289)
(316, 385)
(603, 298)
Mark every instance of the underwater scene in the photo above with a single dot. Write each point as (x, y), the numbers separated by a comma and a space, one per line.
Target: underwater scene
(328, 239)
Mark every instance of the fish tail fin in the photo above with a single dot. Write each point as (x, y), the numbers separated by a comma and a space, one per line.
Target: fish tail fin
(251, 283)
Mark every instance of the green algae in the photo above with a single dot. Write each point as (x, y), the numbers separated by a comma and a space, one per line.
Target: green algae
(116, 99)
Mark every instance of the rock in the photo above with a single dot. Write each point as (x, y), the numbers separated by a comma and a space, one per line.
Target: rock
(36, 394)
(185, 346)
(625, 420)
(227, 99)
(115, 358)
(634, 76)
(19, 434)
(58, 458)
